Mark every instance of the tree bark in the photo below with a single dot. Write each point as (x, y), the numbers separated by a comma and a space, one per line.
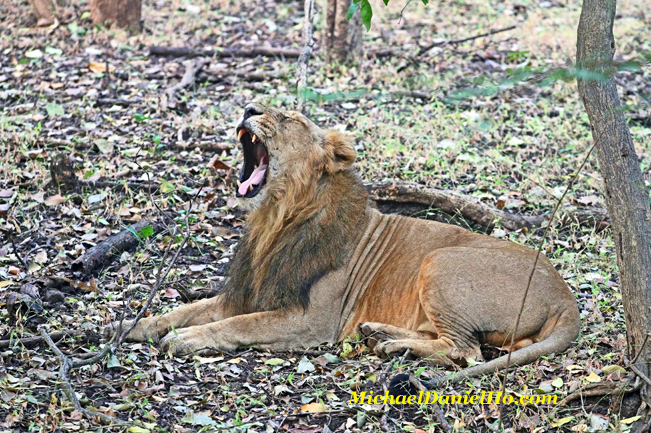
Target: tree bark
(627, 197)
(343, 37)
(123, 14)
(44, 11)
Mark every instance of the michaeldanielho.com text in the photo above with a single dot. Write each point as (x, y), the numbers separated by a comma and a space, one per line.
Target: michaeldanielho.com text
(431, 397)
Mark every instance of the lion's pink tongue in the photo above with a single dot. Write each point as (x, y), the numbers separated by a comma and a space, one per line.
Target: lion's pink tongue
(255, 179)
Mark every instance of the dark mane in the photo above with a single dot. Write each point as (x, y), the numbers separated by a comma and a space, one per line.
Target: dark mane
(306, 248)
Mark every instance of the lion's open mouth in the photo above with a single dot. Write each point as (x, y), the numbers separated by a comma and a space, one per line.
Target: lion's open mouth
(254, 170)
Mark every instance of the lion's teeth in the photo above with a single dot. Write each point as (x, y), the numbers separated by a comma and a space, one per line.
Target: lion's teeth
(254, 138)
(250, 187)
(239, 183)
(241, 133)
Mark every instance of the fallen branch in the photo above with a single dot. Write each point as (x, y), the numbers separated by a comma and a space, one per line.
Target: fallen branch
(204, 147)
(157, 50)
(120, 101)
(414, 60)
(188, 78)
(38, 340)
(106, 250)
(472, 209)
(462, 40)
(602, 389)
(225, 74)
(97, 184)
(65, 365)
(413, 94)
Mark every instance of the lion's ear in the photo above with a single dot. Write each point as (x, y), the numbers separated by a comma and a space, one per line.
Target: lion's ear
(340, 150)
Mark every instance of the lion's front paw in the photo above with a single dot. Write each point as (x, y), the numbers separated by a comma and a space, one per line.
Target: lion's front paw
(387, 349)
(145, 330)
(110, 330)
(373, 334)
(189, 341)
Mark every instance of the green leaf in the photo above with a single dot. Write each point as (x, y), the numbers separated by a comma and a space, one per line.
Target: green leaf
(53, 51)
(140, 117)
(424, 1)
(386, 2)
(54, 110)
(145, 232)
(367, 14)
(613, 369)
(351, 10)
(274, 361)
(112, 361)
(166, 187)
(136, 429)
(630, 420)
(562, 421)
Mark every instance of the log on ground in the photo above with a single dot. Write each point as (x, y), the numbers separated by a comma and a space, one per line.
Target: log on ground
(452, 202)
(105, 251)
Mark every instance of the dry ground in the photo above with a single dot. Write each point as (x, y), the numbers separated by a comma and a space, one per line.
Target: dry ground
(509, 143)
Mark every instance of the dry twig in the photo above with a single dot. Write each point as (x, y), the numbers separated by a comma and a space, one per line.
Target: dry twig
(533, 269)
(440, 416)
(38, 340)
(305, 55)
(188, 78)
(224, 52)
(413, 60)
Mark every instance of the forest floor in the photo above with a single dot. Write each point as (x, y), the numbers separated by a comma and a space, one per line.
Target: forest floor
(100, 99)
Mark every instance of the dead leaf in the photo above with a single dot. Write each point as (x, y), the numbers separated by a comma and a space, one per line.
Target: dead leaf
(217, 164)
(6, 193)
(98, 68)
(55, 200)
(593, 378)
(314, 407)
(39, 197)
(40, 257)
(171, 293)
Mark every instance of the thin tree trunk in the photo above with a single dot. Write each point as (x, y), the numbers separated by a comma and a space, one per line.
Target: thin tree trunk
(343, 38)
(120, 13)
(44, 11)
(626, 195)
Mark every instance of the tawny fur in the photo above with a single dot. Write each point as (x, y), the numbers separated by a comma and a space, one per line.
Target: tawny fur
(317, 264)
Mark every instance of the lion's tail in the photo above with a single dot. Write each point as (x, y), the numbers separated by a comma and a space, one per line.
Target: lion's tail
(561, 337)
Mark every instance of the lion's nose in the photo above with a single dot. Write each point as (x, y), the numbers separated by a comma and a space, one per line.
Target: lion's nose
(250, 111)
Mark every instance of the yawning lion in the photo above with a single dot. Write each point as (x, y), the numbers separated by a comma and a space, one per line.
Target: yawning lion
(316, 264)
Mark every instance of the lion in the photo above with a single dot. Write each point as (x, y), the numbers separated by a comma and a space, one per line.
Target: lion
(317, 263)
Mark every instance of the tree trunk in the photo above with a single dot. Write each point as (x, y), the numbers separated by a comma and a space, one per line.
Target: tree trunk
(44, 11)
(123, 14)
(343, 37)
(626, 195)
